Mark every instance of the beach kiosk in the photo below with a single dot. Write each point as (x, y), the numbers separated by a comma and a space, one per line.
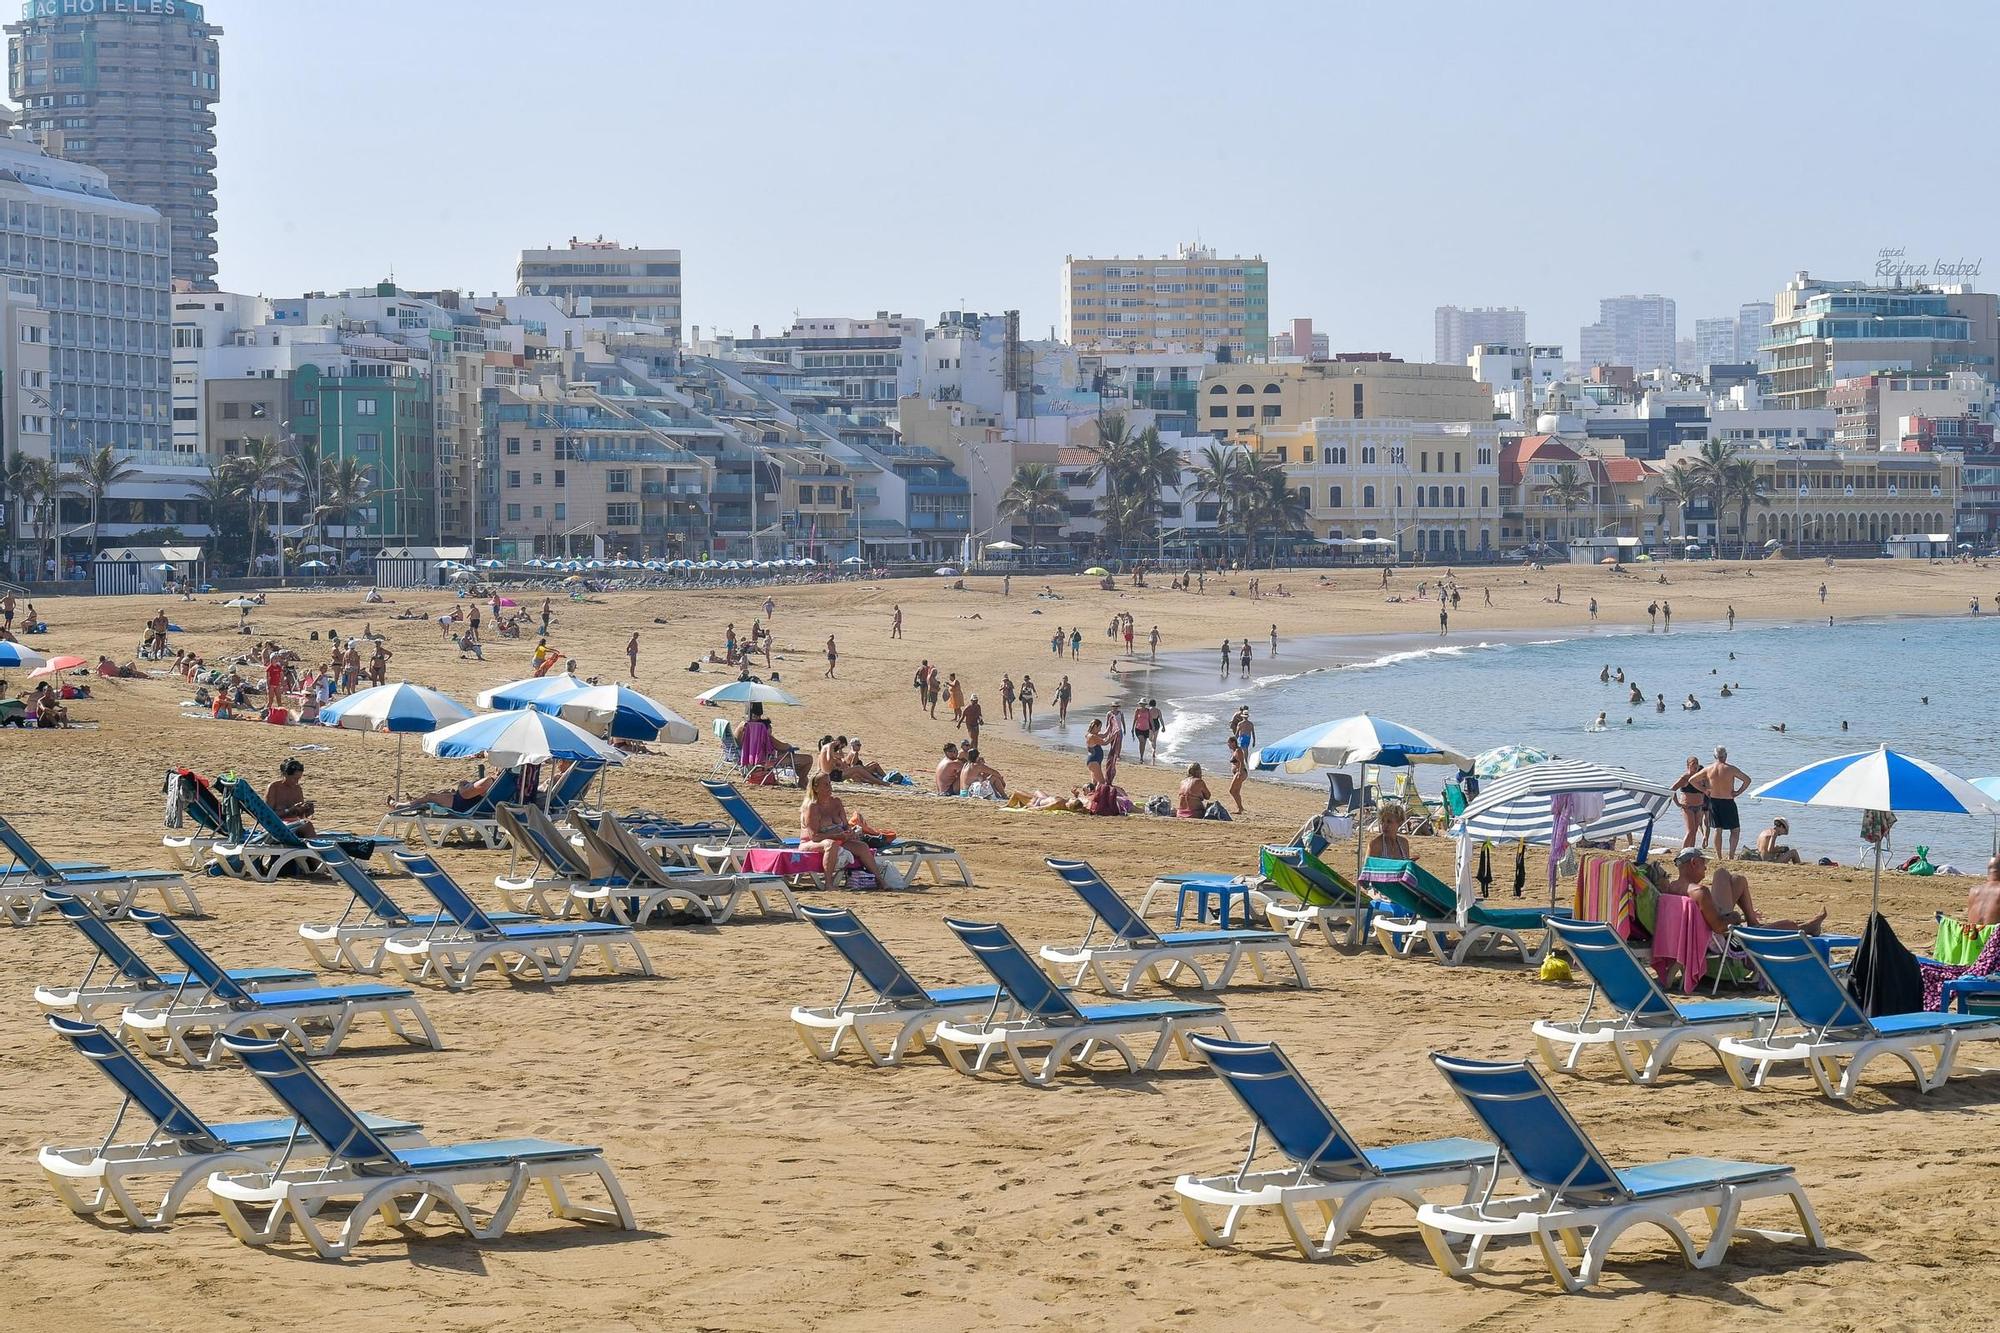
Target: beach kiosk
(145, 569)
(1920, 546)
(1597, 550)
(417, 566)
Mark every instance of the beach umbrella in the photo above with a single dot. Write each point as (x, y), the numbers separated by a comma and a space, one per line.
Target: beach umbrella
(310, 564)
(461, 575)
(492, 564)
(1557, 802)
(1003, 546)
(509, 740)
(619, 712)
(1348, 741)
(57, 665)
(164, 568)
(807, 562)
(242, 603)
(1505, 759)
(746, 692)
(522, 693)
(15, 655)
(404, 709)
(947, 571)
(1880, 779)
(1098, 572)
(854, 560)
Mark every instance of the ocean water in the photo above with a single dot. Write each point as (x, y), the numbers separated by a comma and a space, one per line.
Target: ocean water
(1920, 685)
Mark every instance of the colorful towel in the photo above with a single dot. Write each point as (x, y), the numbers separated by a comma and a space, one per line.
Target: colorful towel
(1681, 935)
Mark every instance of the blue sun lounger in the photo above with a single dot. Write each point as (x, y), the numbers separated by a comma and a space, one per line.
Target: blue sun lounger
(317, 1018)
(110, 893)
(99, 1178)
(1043, 1015)
(1146, 952)
(272, 847)
(1645, 1021)
(901, 1001)
(1430, 918)
(1328, 1169)
(131, 976)
(440, 825)
(403, 1184)
(751, 830)
(1836, 1029)
(545, 951)
(1576, 1193)
(356, 944)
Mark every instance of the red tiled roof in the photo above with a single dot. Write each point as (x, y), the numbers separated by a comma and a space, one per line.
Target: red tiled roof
(1072, 457)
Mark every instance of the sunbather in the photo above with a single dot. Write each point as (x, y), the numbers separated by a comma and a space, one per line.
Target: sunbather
(979, 778)
(457, 798)
(824, 827)
(287, 796)
(1389, 842)
(1725, 900)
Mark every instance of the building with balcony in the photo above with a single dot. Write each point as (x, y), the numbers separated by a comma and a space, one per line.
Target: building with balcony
(129, 88)
(605, 279)
(1832, 500)
(1822, 332)
(855, 366)
(1458, 331)
(1611, 497)
(1432, 487)
(1240, 402)
(1869, 410)
(1519, 375)
(1192, 300)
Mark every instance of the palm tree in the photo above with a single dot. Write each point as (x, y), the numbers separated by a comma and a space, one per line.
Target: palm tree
(1710, 468)
(1680, 487)
(261, 468)
(1267, 502)
(1151, 466)
(1742, 487)
(1568, 489)
(37, 483)
(99, 471)
(214, 494)
(343, 487)
(1217, 476)
(1036, 491)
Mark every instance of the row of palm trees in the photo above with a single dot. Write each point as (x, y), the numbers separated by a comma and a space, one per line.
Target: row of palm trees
(1719, 476)
(1251, 492)
(251, 482)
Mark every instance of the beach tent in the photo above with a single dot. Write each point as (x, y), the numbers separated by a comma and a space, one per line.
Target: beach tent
(1556, 803)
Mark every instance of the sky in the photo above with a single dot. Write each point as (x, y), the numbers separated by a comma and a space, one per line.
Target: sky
(815, 159)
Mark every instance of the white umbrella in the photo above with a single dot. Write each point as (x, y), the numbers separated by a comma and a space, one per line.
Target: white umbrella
(1593, 801)
(621, 712)
(1003, 546)
(17, 655)
(403, 708)
(243, 603)
(521, 693)
(509, 740)
(746, 692)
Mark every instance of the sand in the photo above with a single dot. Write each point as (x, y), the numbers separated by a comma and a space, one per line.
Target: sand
(776, 1192)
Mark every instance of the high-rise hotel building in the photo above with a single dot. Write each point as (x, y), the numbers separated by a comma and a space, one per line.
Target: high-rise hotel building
(128, 87)
(1191, 301)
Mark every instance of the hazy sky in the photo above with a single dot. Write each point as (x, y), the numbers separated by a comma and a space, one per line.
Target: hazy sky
(842, 159)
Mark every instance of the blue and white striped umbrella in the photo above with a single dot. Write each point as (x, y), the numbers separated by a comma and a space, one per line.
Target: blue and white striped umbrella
(15, 655)
(524, 693)
(403, 708)
(1521, 804)
(619, 712)
(1355, 740)
(509, 740)
(1879, 779)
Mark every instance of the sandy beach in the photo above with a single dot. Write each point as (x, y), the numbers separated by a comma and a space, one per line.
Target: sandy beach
(776, 1192)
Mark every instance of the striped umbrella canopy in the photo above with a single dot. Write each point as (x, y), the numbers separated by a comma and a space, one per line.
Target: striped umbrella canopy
(1879, 779)
(619, 712)
(403, 708)
(1355, 740)
(1521, 804)
(18, 655)
(523, 693)
(746, 692)
(521, 737)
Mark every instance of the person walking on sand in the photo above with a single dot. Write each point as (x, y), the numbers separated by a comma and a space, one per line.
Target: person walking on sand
(1226, 655)
(1444, 620)
(1064, 693)
(1027, 701)
(632, 654)
(1652, 616)
(1114, 738)
(1153, 645)
(1006, 696)
(832, 656)
(1667, 616)
(970, 718)
(954, 697)
(1243, 656)
(1239, 769)
(770, 607)
(933, 691)
(1075, 643)
(1274, 640)
(1593, 608)
(1142, 727)
(896, 621)
(1056, 641)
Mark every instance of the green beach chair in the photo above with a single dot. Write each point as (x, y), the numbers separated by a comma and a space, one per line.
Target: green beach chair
(1431, 918)
(1302, 893)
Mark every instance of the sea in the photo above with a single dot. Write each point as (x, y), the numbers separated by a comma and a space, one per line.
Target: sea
(1920, 685)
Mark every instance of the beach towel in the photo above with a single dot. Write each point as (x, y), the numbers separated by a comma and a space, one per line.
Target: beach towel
(1934, 972)
(1957, 945)
(1885, 978)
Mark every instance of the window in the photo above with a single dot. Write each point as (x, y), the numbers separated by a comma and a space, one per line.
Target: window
(232, 411)
(1483, 501)
(1218, 410)
(1357, 402)
(309, 408)
(258, 411)
(513, 480)
(617, 482)
(1244, 388)
(1271, 411)
(621, 514)
(538, 479)
(1333, 497)
(513, 513)
(184, 414)
(562, 479)
(537, 511)
(365, 407)
(366, 442)
(1246, 411)
(1218, 389)
(1367, 497)
(513, 444)
(562, 512)
(1367, 453)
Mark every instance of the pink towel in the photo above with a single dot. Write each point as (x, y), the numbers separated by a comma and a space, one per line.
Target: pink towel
(1681, 935)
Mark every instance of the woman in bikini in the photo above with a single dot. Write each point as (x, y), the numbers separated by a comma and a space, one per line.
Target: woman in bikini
(1389, 842)
(1693, 804)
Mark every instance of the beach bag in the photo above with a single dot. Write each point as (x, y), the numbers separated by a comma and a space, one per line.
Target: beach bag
(1159, 805)
(1214, 810)
(1922, 865)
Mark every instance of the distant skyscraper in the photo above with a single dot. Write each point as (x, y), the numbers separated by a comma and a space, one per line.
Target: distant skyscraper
(1194, 299)
(1635, 331)
(1458, 331)
(1714, 342)
(1753, 325)
(129, 88)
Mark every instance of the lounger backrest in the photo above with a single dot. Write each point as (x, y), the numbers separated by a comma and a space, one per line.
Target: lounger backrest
(24, 851)
(529, 824)
(1284, 1105)
(574, 783)
(317, 1107)
(1629, 987)
(131, 1077)
(1793, 968)
(200, 804)
(358, 881)
(741, 813)
(248, 802)
(632, 854)
(1284, 867)
(598, 837)
(1547, 1146)
(872, 962)
(1018, 974)
(455, 901)
(1103, 901)
(1392, 880)
(1433, 888)
(95, 929)
(192, 956)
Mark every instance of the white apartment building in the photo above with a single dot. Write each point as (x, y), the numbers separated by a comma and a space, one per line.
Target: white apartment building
(1520, 376)
(1635, 331)
(608, 280)
(1432, 487)
(1714, 343)
(204, 320)
(1458, 331)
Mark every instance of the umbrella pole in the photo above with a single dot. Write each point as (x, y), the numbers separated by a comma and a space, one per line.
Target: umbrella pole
(399, 765)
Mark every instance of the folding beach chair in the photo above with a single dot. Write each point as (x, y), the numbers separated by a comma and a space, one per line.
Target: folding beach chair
(1145, 952)
(1645, 1019)
(1328, 1169)
(1576, 1192)
(901, 1001)
(1044, 1016)
(545, 951)
(1835, 1029)
(130, 976)
(110, 893)
(355, 943)
(100, 1177)
(403, 1185)
(316, 1018)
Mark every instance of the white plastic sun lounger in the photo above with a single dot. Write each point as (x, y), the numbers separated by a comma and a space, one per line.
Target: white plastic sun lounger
(131, 977)
(649, 886)
(902, 1004)
(109, 892)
